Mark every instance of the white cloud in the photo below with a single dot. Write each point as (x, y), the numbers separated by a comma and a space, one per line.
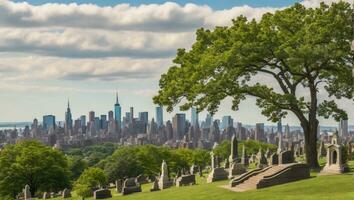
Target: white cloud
(108, 69)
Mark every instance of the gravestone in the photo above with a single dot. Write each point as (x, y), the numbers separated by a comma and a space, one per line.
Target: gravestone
(261, 159)
(216, 173)
(236, 169)
(119, 185)
(193, 169)
(226, 163)
(130, 186)
(155, 186)
(164, 181)
(349, 147)
(286, 157)
(66, 193)
(185, 180)
(244, 158)
(335, 164)
(234, 150)
(46, 195)
(141, 179)
(27, 193)
(274, 159)
(102, 194)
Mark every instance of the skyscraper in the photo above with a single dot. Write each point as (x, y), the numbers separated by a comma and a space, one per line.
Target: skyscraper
(259, 133)
(103, 122)
(208, 121)
(117, 111)
(83, 120)
(131, 114)
(159, 116)
(110, 116)
(144, 117)
(343, 128)
(279, 127)
(68, 119)
(194, 117)
(91, 116)
(227, 121)
(48, 122)
(179, 126)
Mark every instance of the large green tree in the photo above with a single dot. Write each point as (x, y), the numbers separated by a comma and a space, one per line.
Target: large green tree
(301, 50)
(34, 164)
(91, 179)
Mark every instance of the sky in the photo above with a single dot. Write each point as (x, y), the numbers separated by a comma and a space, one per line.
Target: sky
(88, 50)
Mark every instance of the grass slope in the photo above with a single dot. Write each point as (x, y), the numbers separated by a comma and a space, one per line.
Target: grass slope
(317, 187)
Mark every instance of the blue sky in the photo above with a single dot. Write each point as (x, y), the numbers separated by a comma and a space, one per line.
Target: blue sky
(52, 52)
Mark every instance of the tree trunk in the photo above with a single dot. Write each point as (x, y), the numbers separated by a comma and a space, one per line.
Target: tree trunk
(310, 133)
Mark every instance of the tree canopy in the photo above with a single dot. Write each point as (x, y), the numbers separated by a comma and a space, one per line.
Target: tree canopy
(32, 163)
(91, 179)
(283, 60)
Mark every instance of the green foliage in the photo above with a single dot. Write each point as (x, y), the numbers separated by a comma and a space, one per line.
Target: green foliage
(223, 150)
(30, 162)
(93, 154)
(76, 165)
(252, 147)
(147, 159)
(90, 179)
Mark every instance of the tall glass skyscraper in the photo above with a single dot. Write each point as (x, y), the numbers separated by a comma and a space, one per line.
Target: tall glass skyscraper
(68, 118)
(48, 122)
(194, 117)
(117, 111)
(159, 115)
(227, 121)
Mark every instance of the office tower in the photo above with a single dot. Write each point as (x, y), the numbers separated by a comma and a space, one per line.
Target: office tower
(103, 122)
(117, 111)
(194, 117)
(131, 114)
(97, 123)
(91, 116)
(259, 133)
(343, 128)
(159, 116)
(227, 121)
(208, 121)
(287, 131)
(83, 121)
(110, 116)
(144, 117)
(48, 122)
(279, 127)
(68, 119)
(179, 126)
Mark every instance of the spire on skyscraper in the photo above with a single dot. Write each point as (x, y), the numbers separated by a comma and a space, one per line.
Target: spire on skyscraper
(117, 101)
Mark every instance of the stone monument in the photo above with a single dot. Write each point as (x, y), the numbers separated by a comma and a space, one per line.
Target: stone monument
(334, 164)
(164, 181)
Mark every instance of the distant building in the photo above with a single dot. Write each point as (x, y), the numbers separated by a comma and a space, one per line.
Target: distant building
(179, 126)
(343, 128)
(279, 127)
(117, 111)
(259, 132)
(227, 121)
(194, 117)
(68, 119)
(144, 117)
(159, 116)
(48, 122)
(208, 121)
(110, 116)
(91, 116)
(103, 122)
(83, 120)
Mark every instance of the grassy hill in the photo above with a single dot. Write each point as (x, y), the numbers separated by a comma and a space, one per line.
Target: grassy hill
(317, 187)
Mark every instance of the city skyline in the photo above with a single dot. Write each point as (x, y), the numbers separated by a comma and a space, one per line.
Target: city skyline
(46, 61)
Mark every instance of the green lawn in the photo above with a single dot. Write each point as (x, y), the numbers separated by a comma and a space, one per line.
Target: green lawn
(318, 187)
